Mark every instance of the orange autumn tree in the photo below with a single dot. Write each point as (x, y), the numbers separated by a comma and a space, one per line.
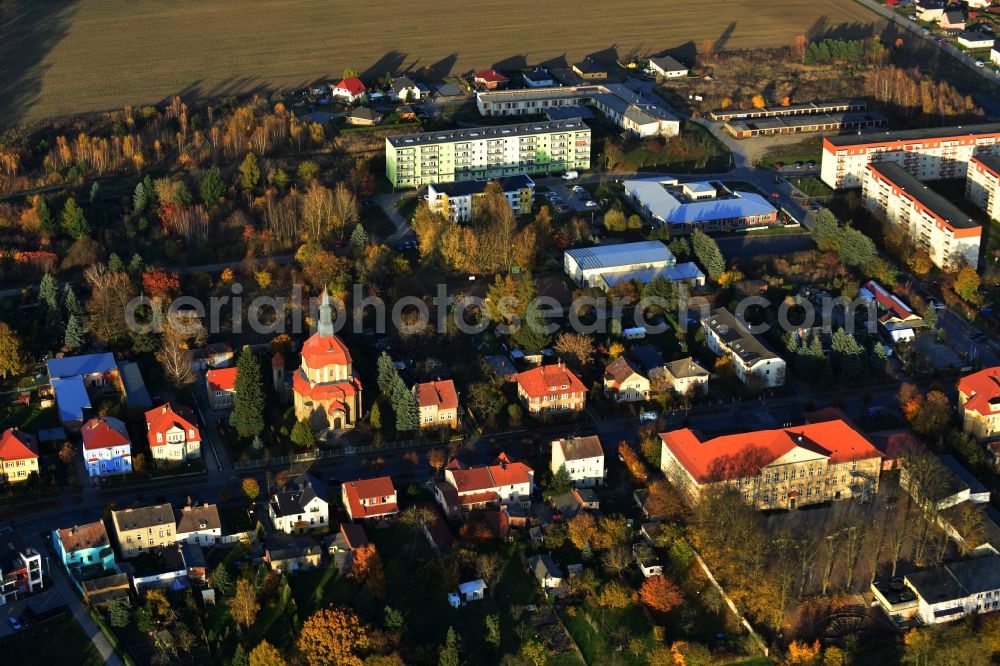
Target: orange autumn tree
(158, 282)
(635, 466)
(367, 570)
(581, 529)
(802, 654)
(660, 594)
(333, 636)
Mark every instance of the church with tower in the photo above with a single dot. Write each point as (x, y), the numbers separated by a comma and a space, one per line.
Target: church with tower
(327, 392)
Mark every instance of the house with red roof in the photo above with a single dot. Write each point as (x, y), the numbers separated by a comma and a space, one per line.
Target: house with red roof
(894, 316)
(979, 400)
(489, 79)
(107, 448)
(466, 488)
(370, 499)
(349, 90)
(327, 391)
(784, 468)
(18, 455)
(438, 401)
(172, 434)
(221, 386)
(550, 388)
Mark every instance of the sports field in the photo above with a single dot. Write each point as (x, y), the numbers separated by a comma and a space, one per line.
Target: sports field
(65, 56)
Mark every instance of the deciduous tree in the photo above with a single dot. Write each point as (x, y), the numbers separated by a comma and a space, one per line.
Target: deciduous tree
(11, 354)
(243, 605)
(266, 654)
(660, 594)
(333, 636)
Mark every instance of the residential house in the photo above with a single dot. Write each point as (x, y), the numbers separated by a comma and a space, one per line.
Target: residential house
(473, 590)
(20, 567)
(754, 363)
(18, 455)
(550, 388)
(404, 90)
(107, 448)
(538, 78)
(782, 468)
(438, 401)
(955, 590)
(406, 112)
(667, 67)
(172, 434)
(345, 543)
(287, 552)
(623, 382)
(349, 90)
(363, 116)
(647, 561)
(219, 355)
(199, 525)
(370, 499)
(489, 79)
(72, 377)
(301, 506)
(583, 458)
(979, 402)
(589, 69)
(436, 531)
(973, 39)
(929, 10)
(501, 483)
(686, 377)
(142, 529)
(84, 549)
(895, 317)
(952, 20)
(221, 387)
(547, 572)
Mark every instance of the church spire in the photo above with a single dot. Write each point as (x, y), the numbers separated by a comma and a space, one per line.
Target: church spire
(325, 328)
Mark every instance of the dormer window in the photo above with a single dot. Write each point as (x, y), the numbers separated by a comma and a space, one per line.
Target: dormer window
(159, 436)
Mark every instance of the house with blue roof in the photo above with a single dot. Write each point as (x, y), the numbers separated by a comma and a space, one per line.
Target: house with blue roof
(707, 205)
(607, 265)
(73, 378)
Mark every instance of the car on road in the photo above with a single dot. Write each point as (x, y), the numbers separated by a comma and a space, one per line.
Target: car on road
(369, 201)
(811, 164)
(913, 17)
(571, 175)
(925, 31)
(14, 624)
(590, 203)
(775, 195)
(798, 165)
(980, 63)
(579, 189)
(778, 165)
(562, 208)
(406, 245)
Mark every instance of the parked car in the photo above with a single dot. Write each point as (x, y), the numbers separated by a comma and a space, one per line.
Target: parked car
(579, 189)
(14, 624)
(406, 245)
(571, 175)
(590, 203)
(798, 165)
(980, 63)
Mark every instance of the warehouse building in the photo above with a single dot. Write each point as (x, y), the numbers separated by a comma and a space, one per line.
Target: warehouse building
(457, 201)
(607, 265)
(806, 108)
(482, 153)
(798, 124)
(929, 154)
(950, 236)
(708, 205)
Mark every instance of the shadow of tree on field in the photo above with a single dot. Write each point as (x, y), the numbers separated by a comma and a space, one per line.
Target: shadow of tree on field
(723, 40)
(28, 32)
(390, 63)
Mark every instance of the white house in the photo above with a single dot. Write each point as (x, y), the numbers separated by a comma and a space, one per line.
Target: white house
(473, 590)
(894, 316)
(668, 67)
(404, 90)
(538, 78)
(583, 458)
(106, 446)
(547, 572)
(957, 589)
(199, 524)
(302, 506)
(971, 39)
(647, 561)
(753, 362)
(349, 90)
(172, 434)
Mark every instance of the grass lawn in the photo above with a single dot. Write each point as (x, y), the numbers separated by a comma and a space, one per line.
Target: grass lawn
(30, 417)
(695, 150)
(602, 633)
(811, 186)
(810, 149)
(58, 641)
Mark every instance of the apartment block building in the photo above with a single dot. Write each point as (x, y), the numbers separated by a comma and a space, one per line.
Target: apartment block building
(929, 154)
(754, 363)
(950, 236)
(979, 403)
(481, 153)
(982, 184)
(143, 528)
(640, 114)
(583, 458)
(458, 200)
(550, 388)
(784, 468)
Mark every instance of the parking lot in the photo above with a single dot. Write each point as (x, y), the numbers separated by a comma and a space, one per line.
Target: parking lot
(569, 198)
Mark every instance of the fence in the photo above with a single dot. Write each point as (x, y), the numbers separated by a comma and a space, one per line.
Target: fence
(341, 452)
(732, 606)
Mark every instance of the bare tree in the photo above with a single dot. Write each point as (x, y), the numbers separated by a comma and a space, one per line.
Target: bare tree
(345, 210)
(174, 355)
(616, 560)
(489, 566)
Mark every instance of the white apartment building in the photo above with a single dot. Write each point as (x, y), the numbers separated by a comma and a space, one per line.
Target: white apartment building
(640, 114)
(982, 184)
(583, 458)
(753, 362)
(928, 154)
(956, 589)
(457, 200)
(934, 223)
(483, 153)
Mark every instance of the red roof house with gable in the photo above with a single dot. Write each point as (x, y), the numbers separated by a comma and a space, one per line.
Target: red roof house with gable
(465, 488)
(107, 448)
(18, 455)
(349, 90)
(781, 468)
(490, 79)
(979, 399)
(438, 402)
(172, 433)
(550, 388)
(369, 499)
(221, 387)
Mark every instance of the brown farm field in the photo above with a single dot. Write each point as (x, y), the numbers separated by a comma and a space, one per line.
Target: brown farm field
(72, 56)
